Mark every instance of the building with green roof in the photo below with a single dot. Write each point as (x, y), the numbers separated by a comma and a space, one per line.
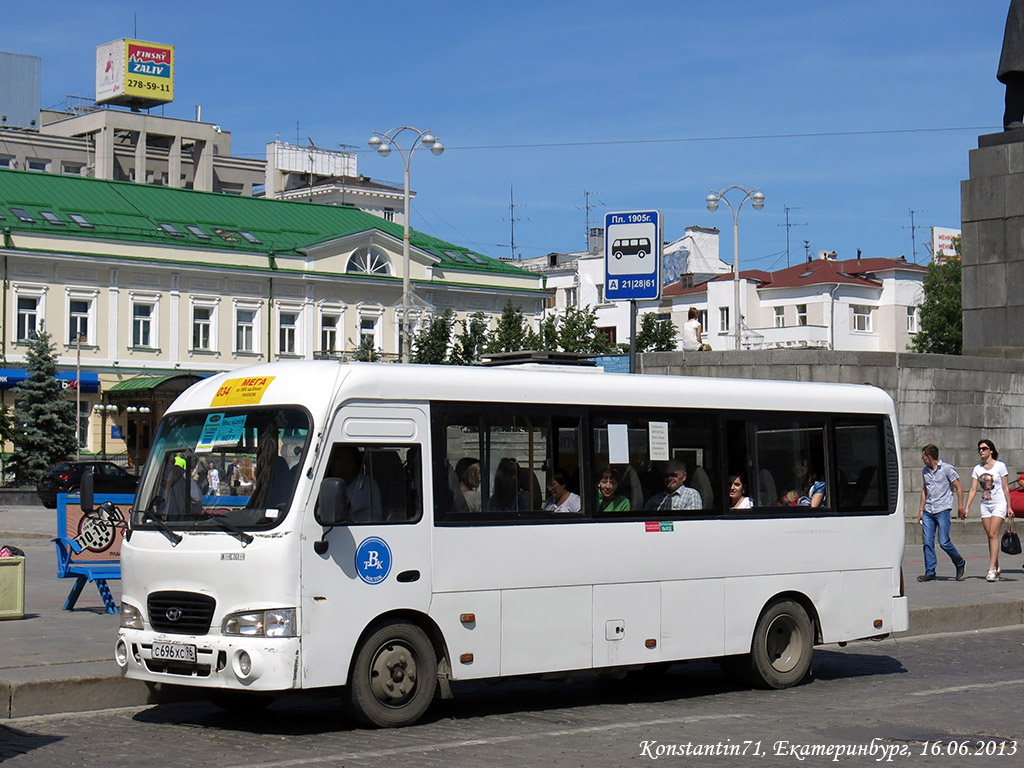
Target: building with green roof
(172, 284)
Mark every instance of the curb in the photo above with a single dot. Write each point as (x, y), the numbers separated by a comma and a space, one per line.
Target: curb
(105, 691)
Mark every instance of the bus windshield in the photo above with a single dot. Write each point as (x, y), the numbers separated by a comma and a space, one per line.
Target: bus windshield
(223, 468)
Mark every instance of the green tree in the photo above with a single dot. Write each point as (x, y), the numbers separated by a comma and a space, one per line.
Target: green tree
(546, 338)
(656, 334)
(942, 327)
(511, 333)
(365, 352)
(577, 332)
(44, 420)
(431, 343)
(472, 342)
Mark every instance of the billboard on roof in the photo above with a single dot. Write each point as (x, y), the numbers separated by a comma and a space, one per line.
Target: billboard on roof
(942, 242)
(134, 73)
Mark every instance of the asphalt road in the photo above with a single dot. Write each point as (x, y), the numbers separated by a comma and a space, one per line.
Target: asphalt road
(939, 700)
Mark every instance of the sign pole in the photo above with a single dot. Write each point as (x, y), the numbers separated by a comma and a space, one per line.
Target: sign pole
(632, 335)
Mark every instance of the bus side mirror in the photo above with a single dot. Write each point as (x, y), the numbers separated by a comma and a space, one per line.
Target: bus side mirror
(85, 492)
(333, 502)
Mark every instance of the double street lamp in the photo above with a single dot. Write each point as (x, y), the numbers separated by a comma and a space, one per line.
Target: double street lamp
(757, 201)
(384, 143)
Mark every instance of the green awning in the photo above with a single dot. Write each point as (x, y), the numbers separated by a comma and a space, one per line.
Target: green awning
(141, 383)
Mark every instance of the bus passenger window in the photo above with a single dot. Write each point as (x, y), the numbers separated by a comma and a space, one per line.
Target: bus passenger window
(382, 482)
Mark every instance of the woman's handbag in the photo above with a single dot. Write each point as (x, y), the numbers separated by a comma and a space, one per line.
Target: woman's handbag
(1010, 543)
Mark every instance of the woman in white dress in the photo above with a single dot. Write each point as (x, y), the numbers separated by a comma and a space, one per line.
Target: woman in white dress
(989, 477)
(691, 331)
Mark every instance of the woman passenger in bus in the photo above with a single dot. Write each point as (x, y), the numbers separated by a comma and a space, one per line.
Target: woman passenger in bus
(609, 500)
(507, 495)
(246, 477)
(816, 492)
(738, 498)
(560, 499)
(468, 471)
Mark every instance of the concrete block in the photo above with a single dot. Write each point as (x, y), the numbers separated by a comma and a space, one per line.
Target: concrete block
(990, 161)
(983, 198)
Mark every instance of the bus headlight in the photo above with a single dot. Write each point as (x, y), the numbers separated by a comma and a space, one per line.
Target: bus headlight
(131, 617)
(277, 622)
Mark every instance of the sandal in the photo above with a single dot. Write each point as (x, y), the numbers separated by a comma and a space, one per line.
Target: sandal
(991, 576)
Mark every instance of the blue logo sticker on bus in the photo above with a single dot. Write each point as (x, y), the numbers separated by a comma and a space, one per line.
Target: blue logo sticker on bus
(373, 560)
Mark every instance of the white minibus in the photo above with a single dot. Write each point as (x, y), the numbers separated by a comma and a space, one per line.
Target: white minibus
(387, 529)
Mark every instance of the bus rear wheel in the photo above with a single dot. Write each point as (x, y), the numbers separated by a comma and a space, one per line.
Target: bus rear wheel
(780, 654)
(394, 677)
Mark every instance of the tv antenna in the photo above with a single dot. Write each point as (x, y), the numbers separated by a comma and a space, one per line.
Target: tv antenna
(512, 219)
(587, 205)
(913, 233)
(789, 225)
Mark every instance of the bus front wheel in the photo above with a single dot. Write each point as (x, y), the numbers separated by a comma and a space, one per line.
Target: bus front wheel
(394, 677)
(780, 654)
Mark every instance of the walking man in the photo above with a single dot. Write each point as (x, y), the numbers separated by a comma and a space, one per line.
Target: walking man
(940, 480)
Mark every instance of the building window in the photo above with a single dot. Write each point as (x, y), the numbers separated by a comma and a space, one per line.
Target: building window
(245, 330)
(369, 260)
(37, 164)
(7, 161)
(142, 325)
(780, 317)
(368, 332)
(84, 412)
(600, 293)
(78, 321)
(202, 326)
(287, 321)
(723, 319)
(607, 332)
(570, 297)
(801, 314)
(389, 214)
(71, 169)
(329, 332)
(28, 317)
(912, 319)
(861, 318)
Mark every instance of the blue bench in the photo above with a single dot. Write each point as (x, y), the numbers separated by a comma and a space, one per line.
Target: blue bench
(96, 568)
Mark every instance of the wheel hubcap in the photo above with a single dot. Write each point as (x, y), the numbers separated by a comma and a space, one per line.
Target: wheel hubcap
(393, 674)
(784, 643)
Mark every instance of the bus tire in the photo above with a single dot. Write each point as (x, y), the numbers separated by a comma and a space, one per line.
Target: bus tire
(780, 653)
(394, 677)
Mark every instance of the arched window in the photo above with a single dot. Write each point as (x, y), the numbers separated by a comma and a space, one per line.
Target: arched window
(369, 260)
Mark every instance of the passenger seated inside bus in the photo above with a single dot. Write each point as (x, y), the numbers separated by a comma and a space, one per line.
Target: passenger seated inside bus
(738, 498)
(506, 495)
(346, 462)
(468, 472)
(560, 499)
(676, 496)
(609, 498)
(179, 497)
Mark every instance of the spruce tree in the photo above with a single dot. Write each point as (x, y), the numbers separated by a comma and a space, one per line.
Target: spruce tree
(471, 343)
(44, 420)
(511, 333)
(431, 343)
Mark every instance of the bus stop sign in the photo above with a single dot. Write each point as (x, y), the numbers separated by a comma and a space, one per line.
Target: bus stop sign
(632, 255)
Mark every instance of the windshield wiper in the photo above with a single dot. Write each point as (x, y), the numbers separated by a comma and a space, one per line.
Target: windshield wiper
(230, 527)
(165, 529)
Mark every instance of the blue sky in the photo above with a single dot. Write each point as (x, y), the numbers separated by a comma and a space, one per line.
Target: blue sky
(645, 105)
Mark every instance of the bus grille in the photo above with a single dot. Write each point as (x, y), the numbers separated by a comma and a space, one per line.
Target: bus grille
(181, 613)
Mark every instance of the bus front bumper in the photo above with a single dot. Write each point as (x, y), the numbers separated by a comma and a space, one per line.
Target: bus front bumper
(237, 663)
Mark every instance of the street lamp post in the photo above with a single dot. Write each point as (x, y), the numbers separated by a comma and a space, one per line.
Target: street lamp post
(104, 410)
(757, 200)
(134, 412)
(384, 143)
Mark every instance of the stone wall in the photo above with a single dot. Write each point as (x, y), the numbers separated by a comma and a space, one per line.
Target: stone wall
(948, 400)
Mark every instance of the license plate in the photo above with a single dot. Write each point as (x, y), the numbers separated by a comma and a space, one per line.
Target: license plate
(174, 652)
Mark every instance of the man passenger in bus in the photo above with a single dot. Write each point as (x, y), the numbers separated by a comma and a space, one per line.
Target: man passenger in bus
(362, 490)
(560, 499)
(506, 495)
(676, 496)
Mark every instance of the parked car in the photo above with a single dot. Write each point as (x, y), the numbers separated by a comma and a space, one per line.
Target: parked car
(66, 477)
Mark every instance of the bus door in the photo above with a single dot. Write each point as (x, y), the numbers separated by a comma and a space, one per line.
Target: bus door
(380, 561)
